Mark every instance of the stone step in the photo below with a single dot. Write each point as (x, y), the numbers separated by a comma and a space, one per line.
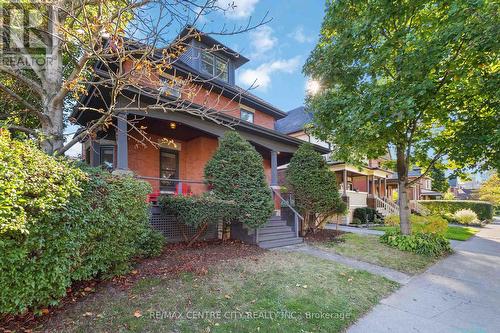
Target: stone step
(276, 235)
(274, 223)
(280, 242)
(274, 229)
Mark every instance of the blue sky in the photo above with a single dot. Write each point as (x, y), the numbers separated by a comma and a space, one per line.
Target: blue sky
(278, 50)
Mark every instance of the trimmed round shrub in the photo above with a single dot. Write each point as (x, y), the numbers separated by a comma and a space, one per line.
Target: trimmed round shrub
(92, 226)
(236, 173)
(467, 217)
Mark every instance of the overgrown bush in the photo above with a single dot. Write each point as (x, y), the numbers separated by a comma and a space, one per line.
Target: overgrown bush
(94, 231)
(484, 210)
(236, 173)
(31, 184)
(419, 243)
(467, 217)
(200, 211)
(432, 224)
(314, 188)
(365, 215)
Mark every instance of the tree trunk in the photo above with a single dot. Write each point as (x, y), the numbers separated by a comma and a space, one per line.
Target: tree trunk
(53, 130)
(404, 209)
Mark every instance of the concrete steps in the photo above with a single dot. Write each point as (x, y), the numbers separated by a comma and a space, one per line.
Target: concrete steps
(276, 233)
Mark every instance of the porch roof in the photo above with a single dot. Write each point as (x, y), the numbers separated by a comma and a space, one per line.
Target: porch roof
(364, 170)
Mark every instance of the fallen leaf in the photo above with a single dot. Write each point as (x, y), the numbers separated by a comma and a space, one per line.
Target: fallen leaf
(87, 289)
(137, 314)
(45, 311)
(135, 272)
(304, 286)
(87, 314)
(227, 296)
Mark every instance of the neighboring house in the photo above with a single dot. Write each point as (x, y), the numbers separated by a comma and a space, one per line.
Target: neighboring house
(468, 190)
(364, 186)
(186, 140)
(420, 190)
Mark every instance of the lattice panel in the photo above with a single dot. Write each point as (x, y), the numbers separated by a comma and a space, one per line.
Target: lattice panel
(174, 231)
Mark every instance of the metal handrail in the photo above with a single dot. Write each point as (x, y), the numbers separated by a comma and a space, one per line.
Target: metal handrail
(286, 203)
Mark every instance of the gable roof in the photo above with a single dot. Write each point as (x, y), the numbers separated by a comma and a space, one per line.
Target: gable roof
(294, 121)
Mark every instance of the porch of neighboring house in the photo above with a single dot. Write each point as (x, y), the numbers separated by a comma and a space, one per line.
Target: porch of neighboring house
(363, 187)
(186, 144)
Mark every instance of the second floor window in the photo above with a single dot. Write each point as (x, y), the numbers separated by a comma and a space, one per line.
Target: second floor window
(246, 115)
(215, 66)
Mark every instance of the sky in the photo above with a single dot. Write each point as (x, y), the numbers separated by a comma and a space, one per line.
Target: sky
(277, 50)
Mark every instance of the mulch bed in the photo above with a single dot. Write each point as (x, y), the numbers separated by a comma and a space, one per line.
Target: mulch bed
(324, 235)
(175, 259)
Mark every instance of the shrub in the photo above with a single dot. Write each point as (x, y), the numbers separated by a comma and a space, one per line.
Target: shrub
(392, 220)
(433, 224)
(236, 173)
(200, 211)
(31, 184)
(419, 243)
(314, 187)
(365, 214)
(93, 230)
(484, 210)
(467, 217)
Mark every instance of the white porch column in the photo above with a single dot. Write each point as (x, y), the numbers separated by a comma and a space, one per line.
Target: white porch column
(121, 142)
(344, 179)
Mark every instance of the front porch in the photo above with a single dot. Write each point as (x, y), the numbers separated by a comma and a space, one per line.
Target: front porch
(363, 187)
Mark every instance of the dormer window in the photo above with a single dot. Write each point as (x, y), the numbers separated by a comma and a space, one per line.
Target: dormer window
(215, 66)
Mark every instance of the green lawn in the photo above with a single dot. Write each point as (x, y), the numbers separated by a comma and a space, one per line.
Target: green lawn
(301, 293)
(453, 232)
(369, 249)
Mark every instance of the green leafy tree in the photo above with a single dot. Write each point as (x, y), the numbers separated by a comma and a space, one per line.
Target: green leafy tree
(420, 77)
(236, 173)
(439, 180)
(314, 188)
(490, 190)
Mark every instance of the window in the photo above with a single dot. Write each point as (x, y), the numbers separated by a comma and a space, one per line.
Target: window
(107, 157)
(169, 86)
(214, 66)
(169, 169)
(246, 115)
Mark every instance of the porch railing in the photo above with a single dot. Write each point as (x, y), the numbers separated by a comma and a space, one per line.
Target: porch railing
(175, 186)
(386, 205)
(296, 215)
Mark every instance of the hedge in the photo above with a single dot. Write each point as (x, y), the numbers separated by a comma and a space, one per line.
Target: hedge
(365, 215)
(93, 231)
(484, 210)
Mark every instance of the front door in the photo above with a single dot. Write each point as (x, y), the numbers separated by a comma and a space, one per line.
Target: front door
(169, 169)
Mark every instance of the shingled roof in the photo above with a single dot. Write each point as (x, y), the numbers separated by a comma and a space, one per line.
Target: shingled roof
(295, 120)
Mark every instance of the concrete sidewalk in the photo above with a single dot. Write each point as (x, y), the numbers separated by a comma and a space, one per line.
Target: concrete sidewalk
(354, 230)
(458, 294)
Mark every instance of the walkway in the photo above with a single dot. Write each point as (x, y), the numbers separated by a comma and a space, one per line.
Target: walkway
(388, 273)
(458, 294)
(354, 230)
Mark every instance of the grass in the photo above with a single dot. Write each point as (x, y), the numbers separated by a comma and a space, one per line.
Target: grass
(453, 232)
(369, 249)
(299, 292)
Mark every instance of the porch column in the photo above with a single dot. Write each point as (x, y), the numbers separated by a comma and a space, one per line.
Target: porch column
(121, 142)
(274, 168)
(385, 187)
(344, 179)
(380, 187)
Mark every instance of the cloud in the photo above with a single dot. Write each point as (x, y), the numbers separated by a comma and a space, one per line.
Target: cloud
(238, 9)
(262, 40)
(300, 36)
(260, 77)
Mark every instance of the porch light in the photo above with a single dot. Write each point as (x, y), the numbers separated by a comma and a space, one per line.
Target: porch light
(173, 125)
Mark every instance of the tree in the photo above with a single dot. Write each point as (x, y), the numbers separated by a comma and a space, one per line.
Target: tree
(439, 180)
(314, 188)
(47, 76)
(236, 173)
(420, 77)
(490, 190)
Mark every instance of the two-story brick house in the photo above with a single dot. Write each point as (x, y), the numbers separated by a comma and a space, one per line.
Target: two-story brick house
(180, 143)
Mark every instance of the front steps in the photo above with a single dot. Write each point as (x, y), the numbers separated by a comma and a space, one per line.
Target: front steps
(276, 233)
